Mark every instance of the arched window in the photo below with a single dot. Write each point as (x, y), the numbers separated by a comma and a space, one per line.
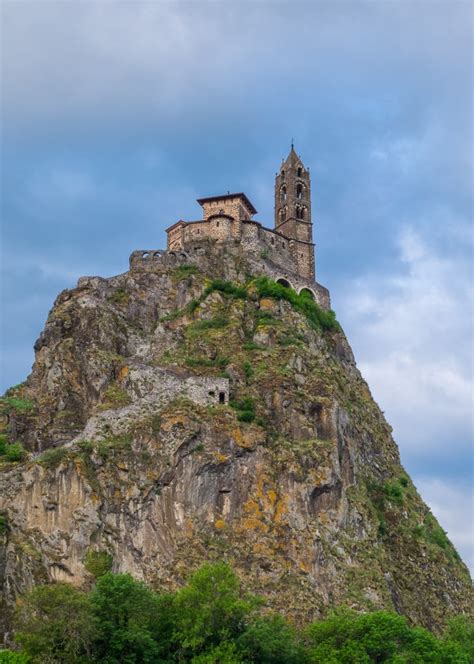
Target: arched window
(283, 193)
(282, 174)
(300, 212)
(299, 190)
(282, 214)
(300, 171)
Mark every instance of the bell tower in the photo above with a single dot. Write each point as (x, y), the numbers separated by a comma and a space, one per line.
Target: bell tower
(293, 211)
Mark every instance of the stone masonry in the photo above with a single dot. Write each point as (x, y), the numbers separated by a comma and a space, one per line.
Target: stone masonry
(285, 252)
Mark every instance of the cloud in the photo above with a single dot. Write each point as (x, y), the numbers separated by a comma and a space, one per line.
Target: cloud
(453, 507)
(412, 333)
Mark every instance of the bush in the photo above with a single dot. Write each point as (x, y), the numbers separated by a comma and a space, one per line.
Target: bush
(317, 317)
(3, 444)
(3, 524)
(211, 621)
(53, 457)
(15, 452)
(55, 624)
(11, 657)
(183, 271)
(245, 409)
(228, 288)
(98, 563)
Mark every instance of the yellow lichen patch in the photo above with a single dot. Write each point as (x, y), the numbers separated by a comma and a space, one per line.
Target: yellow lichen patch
(280, 509)
(220, 458)
(170, 421)
(219, 524)
(123, 373)
(247, 438)
(262, 549)
(251, 523)
(250, 506)
(267, 304)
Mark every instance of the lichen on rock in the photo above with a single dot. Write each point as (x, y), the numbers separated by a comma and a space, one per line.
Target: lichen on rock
(168, 422)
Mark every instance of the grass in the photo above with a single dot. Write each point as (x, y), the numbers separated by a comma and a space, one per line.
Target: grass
(53, 457)
(219, 362)
(184, 271)
(119, 296)
(317, 317)
(199, 326)
(115, 397)
(16, 404)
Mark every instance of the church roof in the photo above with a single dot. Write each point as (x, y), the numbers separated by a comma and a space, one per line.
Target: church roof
(225, 197)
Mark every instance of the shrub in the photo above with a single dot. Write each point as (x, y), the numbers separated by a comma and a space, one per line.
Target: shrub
(183, 271)
(98, 563)
(317, 317)
(15, 452)
(248, 370)
(220, 362)
(119, 296)
(53, 457)
(245, 409)
(226, 287)
(3, 524)
(207, 324)
(16, 404)
(3, 444)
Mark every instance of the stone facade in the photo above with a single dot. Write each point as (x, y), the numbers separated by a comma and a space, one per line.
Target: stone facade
(285, 252)
(226, 217)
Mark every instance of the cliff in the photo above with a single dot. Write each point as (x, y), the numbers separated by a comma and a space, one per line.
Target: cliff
(193, 412)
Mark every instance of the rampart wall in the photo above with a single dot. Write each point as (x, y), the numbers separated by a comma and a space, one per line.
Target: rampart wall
(263, 257)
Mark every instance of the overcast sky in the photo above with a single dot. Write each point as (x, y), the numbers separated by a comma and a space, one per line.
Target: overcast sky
(116, 116)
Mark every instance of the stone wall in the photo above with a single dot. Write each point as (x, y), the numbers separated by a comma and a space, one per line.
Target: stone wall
(260, 256)
(234, 207)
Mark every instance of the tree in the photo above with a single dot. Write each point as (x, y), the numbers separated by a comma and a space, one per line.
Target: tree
(132, 621)
(11, 657)
(54, 625)
(272, 640)
(209, 611)
(346, 637)
(460, 632)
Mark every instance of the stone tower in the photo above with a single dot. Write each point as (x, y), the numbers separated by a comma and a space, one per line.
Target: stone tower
(293, 211)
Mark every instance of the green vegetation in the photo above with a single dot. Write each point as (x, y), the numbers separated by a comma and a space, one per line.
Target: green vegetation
(98, 563)
(199, 326)
(3, 524)
(219, 362)
(432, 532)
(317, 317)
(12, 452)
(228, 288)
(212, 621)
(53, 457)
(119, 296)
(115, 397)
(245, 409)
(183, 271)
(7, 404)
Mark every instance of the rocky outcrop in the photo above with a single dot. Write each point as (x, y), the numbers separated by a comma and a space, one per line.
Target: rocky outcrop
(171, 419)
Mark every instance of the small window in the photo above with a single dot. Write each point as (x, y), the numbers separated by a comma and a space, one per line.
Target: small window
(283, 175)
(273, 240)
(299, 190)
(212, 393)
(217, 223)
(221, 397)
(300, 171)
(283, 245)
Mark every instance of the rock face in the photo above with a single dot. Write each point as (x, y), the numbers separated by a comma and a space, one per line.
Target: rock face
(171, 419)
